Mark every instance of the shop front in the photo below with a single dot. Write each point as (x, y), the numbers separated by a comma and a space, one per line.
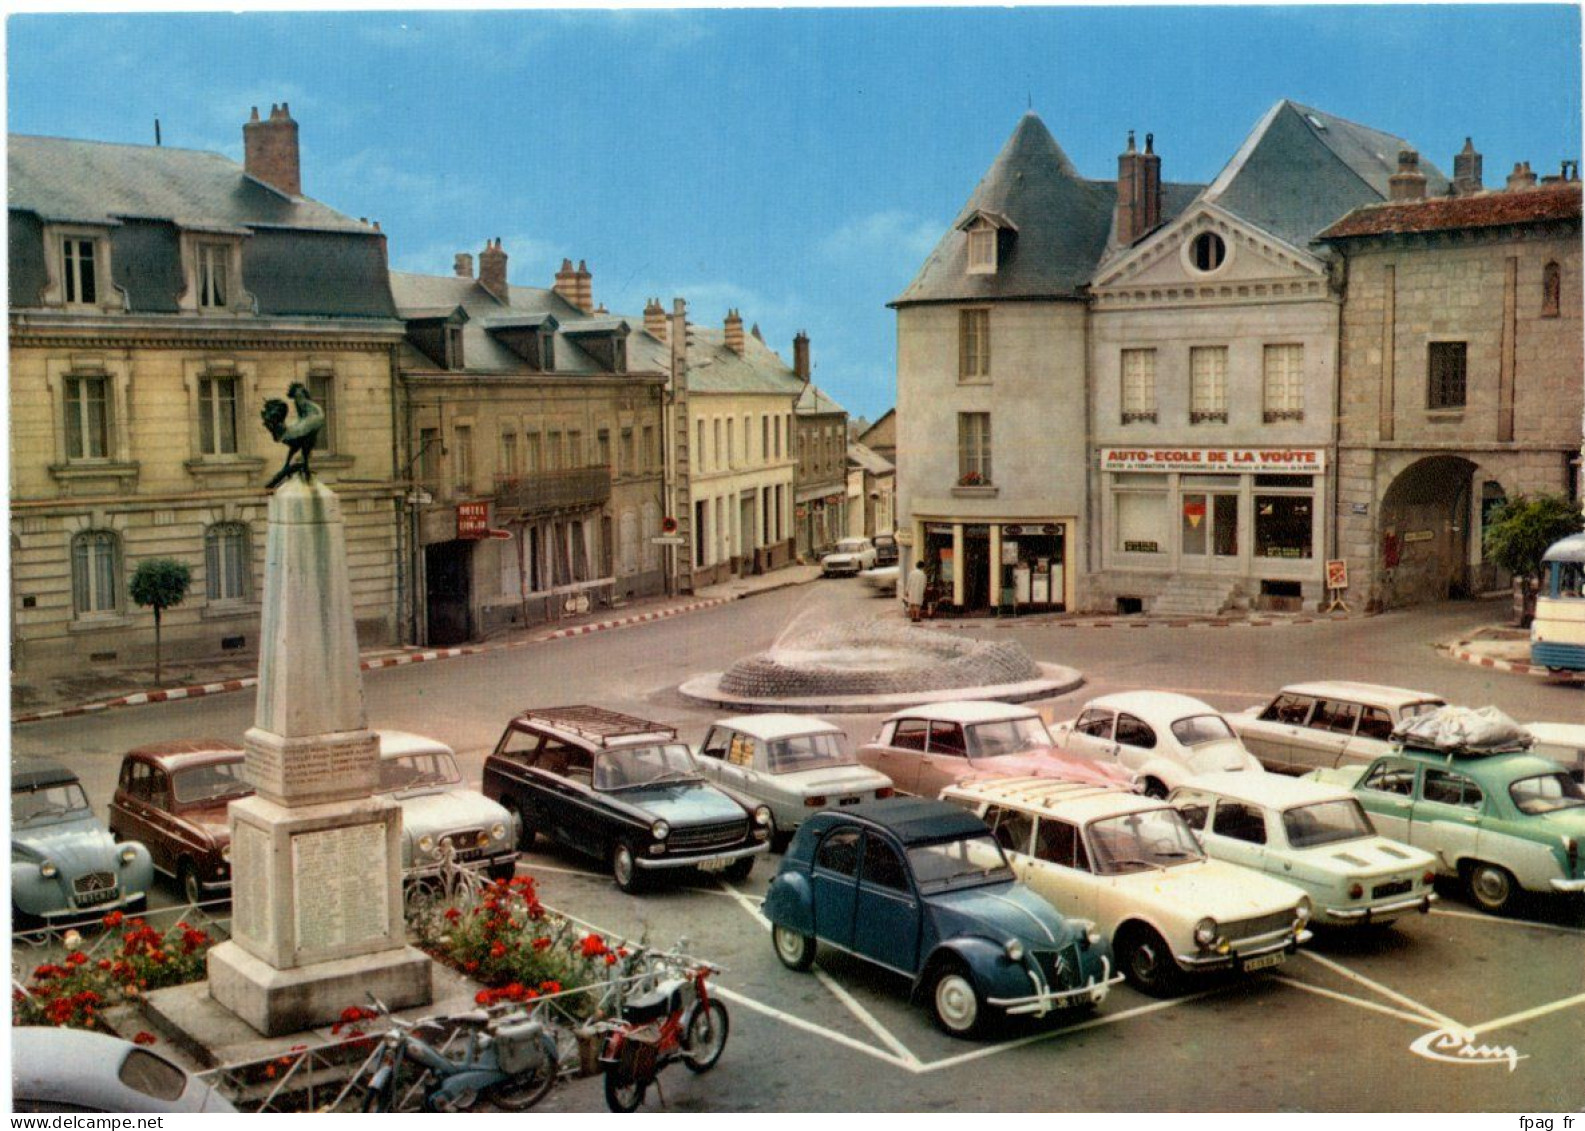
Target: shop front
(1251, 517)
(982, 567)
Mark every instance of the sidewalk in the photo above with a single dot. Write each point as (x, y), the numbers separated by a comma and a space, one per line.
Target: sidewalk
(78, 693)
(1505, 649)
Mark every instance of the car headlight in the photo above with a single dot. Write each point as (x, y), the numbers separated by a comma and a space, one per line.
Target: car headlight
(225, 851)
(762, 816)
(660, 830)
(1205, 933)
(48, 870)
(1014, 949)
(426, 844)
(498, 831)
(1301, 913)
(128, 854)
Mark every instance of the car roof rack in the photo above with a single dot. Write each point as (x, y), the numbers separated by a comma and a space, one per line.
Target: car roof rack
(597, 724)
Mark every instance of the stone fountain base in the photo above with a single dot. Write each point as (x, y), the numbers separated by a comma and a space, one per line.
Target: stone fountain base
(1053, 680)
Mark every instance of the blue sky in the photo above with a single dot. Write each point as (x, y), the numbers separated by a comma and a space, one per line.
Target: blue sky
(798, 165)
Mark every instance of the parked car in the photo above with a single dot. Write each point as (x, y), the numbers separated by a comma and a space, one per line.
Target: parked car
(850, 556)
(64, 863)
(173, 796)
(1163, 738)
(1501, 823)
(922, 888)
(1132, 865)
(882, 579)
(1314, 836)
(795, 764)
(79, 1070)
(886, 551)
(1561, 742)
(622, 790)
(439, 813)
(927, 748)
(1312, 726)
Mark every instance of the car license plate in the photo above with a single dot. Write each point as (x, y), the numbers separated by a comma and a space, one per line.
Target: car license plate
(849, 800)
(714, 865)
(1264, 961)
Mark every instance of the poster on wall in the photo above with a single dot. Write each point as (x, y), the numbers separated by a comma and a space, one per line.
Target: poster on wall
(1009, 553)
(1337, 574)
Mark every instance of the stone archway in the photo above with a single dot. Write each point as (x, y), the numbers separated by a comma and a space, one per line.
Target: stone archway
(1424, 551)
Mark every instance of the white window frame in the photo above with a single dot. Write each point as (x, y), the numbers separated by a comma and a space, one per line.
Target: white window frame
(1283, 382)
(982, 249)
(1208, 385)
(974, 447)
(107, 430)
(59, 265)
(87, 583)
(974, 345)
(223, 542)
(1137, 385)
(209, 385)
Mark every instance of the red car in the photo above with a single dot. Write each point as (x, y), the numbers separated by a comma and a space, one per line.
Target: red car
(925, 749)
(173, 797)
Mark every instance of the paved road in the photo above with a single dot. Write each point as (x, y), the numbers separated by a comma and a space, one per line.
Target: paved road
(1330, 1031)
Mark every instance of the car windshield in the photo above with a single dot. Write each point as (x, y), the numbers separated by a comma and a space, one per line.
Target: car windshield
(48, 804)
(1137, 842)
(1547, 793)
(959, 863)
(210, 783)
(416, 771)
(1326, 822)
(644, 765)
(850, 546)
(1007, 736)
(808, 752)
(1197, 730)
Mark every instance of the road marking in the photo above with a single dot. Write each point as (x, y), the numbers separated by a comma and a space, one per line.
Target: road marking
(1426, 1013)
(745, 902)
(867, 1018)
(566, 871)
(1538, 1011)
(1413, 1019)
(1507, 922)
(810, 1027)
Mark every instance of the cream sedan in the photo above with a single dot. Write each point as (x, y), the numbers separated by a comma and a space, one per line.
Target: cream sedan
(1130, 865)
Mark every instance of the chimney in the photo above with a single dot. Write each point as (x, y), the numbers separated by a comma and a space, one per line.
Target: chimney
(270, 150)
(758, 337)
(1408, 183)
(492, 270)
(1127, 224)
(585, 299)
(566, 284)
(734, 332)
(801, 356)
(655, 319)
(1521, 177)
(1467, 170)
(1149, 187)
(463, 267)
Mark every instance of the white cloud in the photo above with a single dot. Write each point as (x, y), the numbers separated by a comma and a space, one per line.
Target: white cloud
(892, 234)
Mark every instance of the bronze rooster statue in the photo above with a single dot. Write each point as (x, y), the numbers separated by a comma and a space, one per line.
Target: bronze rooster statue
(300, 437)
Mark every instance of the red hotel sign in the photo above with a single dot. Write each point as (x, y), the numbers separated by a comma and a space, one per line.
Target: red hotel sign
(473, 520)
(1299, 460)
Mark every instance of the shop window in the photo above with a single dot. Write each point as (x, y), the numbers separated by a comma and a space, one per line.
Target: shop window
(1283, 526)
(1445, 363)
(1141, 517)
(1284, 383)
(974, 344)
(1208, 385)
(1139, 386)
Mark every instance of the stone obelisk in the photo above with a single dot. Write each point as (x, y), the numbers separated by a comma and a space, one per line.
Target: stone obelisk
(316, 857)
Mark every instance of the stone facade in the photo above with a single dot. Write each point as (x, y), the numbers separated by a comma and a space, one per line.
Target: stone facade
(820, 429)
(740, 492)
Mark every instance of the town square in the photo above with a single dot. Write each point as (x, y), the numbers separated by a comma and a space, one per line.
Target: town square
(1039, 599)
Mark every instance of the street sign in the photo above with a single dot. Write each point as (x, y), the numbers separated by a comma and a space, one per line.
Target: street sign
(473, 520)
(669, 540)
(668, 525)
(494, 533)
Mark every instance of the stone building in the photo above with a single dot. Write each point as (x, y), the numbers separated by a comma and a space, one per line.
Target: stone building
(872, 487)
(533, 414)
(820, 427)
(881, 437)
(158, 297)
(1462, 378)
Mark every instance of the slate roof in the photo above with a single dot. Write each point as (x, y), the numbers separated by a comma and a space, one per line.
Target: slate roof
(869, 459)
(300, 258)
(1302, 169)
(431, 296)
(814, 401)
(713, 368)
(1482, 210)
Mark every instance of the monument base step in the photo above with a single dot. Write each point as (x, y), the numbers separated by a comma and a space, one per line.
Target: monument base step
(284, 1001)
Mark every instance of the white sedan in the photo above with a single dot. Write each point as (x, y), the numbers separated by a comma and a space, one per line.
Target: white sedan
(851, 556)
(1164, 738)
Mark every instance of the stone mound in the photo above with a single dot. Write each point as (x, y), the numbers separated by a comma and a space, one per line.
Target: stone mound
(876, 658)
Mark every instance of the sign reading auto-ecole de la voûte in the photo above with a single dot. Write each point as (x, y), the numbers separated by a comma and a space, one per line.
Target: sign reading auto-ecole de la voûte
(1294, 460)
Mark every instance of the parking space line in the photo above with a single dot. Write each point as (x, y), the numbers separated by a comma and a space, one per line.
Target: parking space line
(1426, 1013)
(867, 1018)
(1507, 922)
(1377, 1007)
(1528, 1014)
(565, 871)
(810, 1027)
(744, 901)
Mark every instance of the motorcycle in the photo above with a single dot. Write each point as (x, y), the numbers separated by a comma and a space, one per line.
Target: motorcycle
(509, 1058)
(675, 1020)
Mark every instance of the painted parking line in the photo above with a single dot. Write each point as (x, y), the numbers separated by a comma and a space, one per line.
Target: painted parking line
(1479, 918)
(1376, 1007)
(868, 1019)
(1529, 1014)
(1343, 971)
(797, 1022)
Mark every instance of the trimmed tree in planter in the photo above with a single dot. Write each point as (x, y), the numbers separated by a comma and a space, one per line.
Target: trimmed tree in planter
(160, 584)
(1518, 535)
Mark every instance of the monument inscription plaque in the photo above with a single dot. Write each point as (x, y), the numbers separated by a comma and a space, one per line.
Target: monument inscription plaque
(334, 904)
(249, 893)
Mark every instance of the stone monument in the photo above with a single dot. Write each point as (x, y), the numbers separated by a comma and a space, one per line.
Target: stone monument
(316, 858)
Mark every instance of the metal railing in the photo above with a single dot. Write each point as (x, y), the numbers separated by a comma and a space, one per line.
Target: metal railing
(543, 492)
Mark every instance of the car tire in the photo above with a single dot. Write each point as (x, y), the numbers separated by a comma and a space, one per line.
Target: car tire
(956, 1003)
(1491, 888)
(625, 871)
(1154, 788)
(187, 882)
(1146, 961)
(739, 870)
(795, 951)
(526, 834)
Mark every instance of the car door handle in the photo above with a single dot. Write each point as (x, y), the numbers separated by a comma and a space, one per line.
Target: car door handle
(1471, 818)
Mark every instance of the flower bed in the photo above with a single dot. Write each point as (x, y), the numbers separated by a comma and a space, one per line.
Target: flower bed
(76, 991)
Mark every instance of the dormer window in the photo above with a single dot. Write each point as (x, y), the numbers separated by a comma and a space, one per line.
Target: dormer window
(77, 271)
(547, 351)
(454, 347)
(214, 274)
(982, 250)
(990, 236)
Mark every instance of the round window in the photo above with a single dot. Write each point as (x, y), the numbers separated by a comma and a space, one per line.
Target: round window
(1207, 251)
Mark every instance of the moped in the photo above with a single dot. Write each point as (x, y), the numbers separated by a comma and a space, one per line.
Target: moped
(509, 1058)
(677, 1019)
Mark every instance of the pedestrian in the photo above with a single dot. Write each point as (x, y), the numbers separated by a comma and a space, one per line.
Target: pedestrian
(916, 591)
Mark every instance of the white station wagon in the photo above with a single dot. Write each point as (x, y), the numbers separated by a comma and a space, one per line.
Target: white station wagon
(1133, 867)
(1313, 835)
(1313, 726)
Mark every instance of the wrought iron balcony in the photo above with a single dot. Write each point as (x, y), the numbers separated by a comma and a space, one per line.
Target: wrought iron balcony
(543, 492)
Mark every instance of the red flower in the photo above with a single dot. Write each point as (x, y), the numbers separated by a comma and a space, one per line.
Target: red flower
(144, 1037)
(484, 997)
(542, 943)
(452, 914)
(114, 919)
(76, 958)
(470, 966)
(610, 960)
(103, 964)
(497, 949)
(592, 946)
(550, 987)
